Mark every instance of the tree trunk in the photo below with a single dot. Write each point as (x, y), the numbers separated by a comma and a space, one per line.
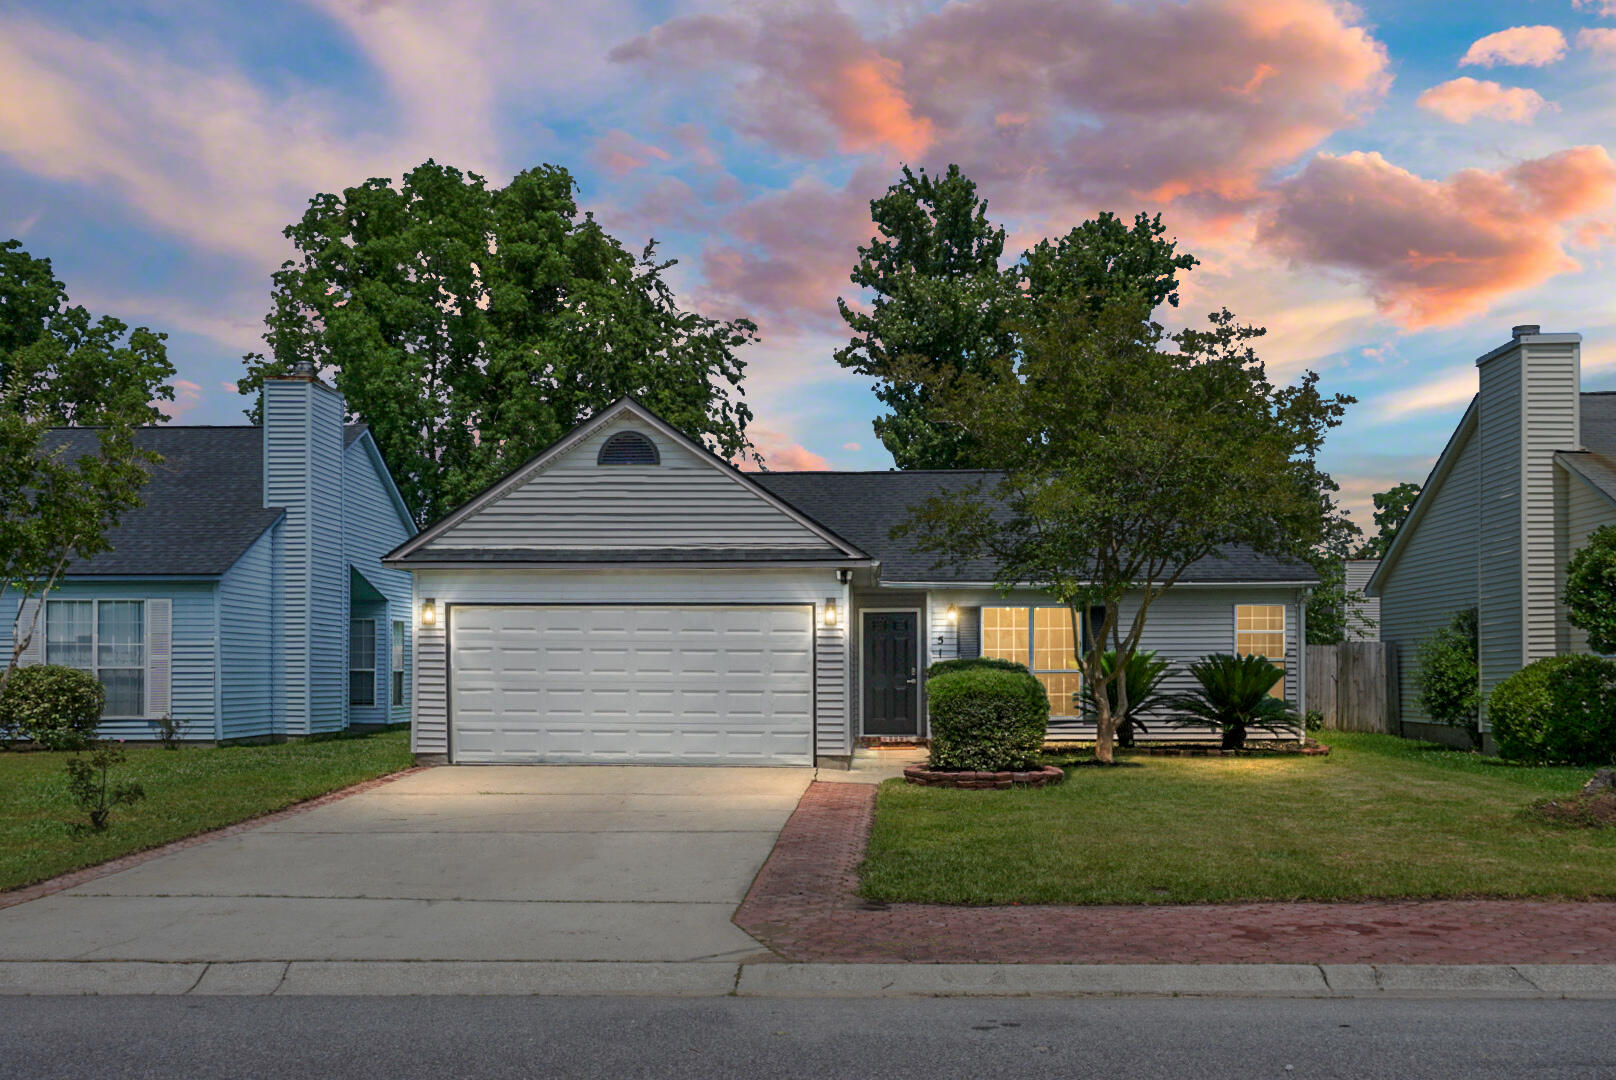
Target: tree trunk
(1234, 737)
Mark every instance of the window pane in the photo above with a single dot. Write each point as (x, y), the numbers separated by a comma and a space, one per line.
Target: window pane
(1260, 631)
(1004, 633)
(362, 687)
(121, 640)
(1062, 693)
(398, 645)
(126, 691)
(70, 633)
(1053, 646)
(398, 688)
(362, 644)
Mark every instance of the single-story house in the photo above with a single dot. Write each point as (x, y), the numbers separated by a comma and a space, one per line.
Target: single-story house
(627, 596)
(1527, 475)
(246, 598)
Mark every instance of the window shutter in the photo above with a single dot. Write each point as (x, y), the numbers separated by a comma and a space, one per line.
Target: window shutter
(159, 657)
(35, 652)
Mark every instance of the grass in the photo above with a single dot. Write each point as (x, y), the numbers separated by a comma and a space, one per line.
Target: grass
(1380, 817)
(188, 791)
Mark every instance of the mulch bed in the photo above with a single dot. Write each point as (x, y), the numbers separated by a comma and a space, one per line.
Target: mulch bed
(1580, 811)
(1040, 776)
(805, 906)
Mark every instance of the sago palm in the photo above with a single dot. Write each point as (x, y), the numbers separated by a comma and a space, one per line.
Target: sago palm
(1234, 695)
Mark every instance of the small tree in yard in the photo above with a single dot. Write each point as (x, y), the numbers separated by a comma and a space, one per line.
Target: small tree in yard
(58, 367)
(1448, 682)
(1590, 590)
(1125, 463)
(89, 782)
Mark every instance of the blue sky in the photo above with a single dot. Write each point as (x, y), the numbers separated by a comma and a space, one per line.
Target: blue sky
(1388, 187)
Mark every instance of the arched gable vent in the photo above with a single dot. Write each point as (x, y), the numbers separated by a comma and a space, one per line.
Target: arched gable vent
(628, 448)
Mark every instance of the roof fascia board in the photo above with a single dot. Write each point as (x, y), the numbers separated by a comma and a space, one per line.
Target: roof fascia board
(1439, 472)
(1244, 583)
(607, 564)
(1573, 469)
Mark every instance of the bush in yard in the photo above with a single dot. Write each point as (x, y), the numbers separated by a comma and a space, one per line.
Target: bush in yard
(1143, 679)
(1448, 682)
(1234, 695)
(1562, 709)
(54, 706)
(972, 663)
(89, 782)
(986, 719)
(1590, 590)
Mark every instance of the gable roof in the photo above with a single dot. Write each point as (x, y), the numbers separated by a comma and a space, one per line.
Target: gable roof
(865, 506)
(354, 433)
(418, 550)
(203, 506)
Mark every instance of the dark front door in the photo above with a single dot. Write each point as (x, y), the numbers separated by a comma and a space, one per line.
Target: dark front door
(890, 674)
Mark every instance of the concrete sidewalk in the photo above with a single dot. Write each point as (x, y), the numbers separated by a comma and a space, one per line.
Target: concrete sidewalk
(783, 980)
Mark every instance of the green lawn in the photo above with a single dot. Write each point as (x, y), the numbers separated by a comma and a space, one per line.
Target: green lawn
(188, 791)
(1379, 817)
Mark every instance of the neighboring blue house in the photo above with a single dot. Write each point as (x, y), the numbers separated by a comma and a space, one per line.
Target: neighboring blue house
(246, 598)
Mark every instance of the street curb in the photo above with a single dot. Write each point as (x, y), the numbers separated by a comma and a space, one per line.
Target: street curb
(263, 978)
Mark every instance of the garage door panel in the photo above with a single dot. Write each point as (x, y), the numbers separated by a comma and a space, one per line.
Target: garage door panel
(657, 684)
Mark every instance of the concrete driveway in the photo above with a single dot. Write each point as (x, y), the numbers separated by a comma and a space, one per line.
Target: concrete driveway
(453, 863)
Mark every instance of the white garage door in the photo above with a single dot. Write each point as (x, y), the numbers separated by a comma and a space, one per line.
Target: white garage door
(651, 684)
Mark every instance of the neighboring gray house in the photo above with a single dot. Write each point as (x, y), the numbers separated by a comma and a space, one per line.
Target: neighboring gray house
(1364, 623)
(1529, 473)
(626, 596)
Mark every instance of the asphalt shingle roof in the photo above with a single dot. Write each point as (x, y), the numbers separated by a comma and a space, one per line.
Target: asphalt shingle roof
(1596, 463)
(863, 508)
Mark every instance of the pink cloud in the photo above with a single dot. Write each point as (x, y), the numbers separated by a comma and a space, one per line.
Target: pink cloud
(1600, 40)
(1524, 46)
(853, 446)
(1464, 99)
(1607, 8)
(781, 452)
(187, 396)
(1429, 251)
(619, 153)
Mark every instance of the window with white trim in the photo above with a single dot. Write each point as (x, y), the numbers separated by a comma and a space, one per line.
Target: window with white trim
(107, 638)
(398, 661)
(1259, 630)
(1043, 638)
(362, 662)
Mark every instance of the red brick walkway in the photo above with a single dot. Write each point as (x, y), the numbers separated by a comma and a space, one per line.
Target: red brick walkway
(804, 905)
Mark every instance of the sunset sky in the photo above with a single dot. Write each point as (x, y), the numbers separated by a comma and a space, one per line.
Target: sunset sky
(1386, 186)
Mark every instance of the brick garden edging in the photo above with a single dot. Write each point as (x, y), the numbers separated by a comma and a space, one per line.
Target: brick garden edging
(1042, 776)
(804, 905)
(25, 893)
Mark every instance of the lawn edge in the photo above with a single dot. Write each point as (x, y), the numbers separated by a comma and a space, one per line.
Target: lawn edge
(22, 894)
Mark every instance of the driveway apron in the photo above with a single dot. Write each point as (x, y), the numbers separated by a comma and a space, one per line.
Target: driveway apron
(602, 863)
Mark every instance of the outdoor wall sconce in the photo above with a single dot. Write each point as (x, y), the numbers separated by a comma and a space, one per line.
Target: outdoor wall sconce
(830, 611)
(844, 575)
(953, 613)
(429, 612)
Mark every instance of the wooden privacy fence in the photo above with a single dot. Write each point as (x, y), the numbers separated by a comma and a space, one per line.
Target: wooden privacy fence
(1354, 685)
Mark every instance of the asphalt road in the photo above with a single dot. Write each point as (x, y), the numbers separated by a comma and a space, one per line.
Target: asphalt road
(443, 1038)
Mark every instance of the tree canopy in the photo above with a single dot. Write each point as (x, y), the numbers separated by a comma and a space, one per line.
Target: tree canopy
(942, 302)
(1391, 509)
(1590, 589)
(1129, 454)
(60, 366)
(471, 326)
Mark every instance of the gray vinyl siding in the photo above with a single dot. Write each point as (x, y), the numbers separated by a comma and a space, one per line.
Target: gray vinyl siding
(1551, 373)
(1437, 567)
(1583, 510)
(1365, 626)
(430, 733)
(1183, 625)
(1499, 526)
(373, 525)
(685, 502)
(247, 636)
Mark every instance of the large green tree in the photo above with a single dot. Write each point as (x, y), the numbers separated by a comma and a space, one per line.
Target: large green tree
(61, 367)
(1129, 455)
(471, 326)
(1391, 510)
(940, 300)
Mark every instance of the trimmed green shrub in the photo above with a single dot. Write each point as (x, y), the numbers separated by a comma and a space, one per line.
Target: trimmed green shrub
(972, 663)
(1448, 682)
(1562, 709)
(1590, 590)
(986, 719)
(54, 706)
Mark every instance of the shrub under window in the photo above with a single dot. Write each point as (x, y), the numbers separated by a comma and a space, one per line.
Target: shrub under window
(986, 719)
(57, 707)
(1562, 709)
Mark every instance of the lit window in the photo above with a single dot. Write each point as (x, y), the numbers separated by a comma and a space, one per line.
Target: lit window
(1041, 638)
(362, 662)
(107, 638)
(1259, 630)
